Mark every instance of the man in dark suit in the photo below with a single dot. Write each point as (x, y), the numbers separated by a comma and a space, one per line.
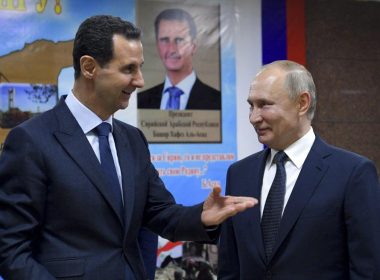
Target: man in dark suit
(320, 218)
(176, 32)
(73, 197)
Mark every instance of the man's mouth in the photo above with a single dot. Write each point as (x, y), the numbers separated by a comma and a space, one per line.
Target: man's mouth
(261, 131)
(173, 57)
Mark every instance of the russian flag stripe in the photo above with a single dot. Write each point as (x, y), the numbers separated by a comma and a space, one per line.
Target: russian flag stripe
(295, 26)
(283, 30)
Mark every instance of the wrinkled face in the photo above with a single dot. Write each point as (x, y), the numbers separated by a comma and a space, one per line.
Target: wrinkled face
(175, 45)
(273, 114)
(115, 81)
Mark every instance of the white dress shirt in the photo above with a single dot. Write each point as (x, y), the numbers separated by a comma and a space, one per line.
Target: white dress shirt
(88, 120)
(297, 153)
(185, 85)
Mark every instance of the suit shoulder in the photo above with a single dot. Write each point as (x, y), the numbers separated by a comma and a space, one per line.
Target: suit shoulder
(207, 88)
(150, 98)
(338, 153)
(131, 130)
(126, 126)
(204, 97)
(255, 158)
(350, 158)
(155, 89)
(339, 160)
(38, 122)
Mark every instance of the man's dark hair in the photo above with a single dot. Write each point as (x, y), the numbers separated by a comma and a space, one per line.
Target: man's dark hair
(94, 38)
(176, 14)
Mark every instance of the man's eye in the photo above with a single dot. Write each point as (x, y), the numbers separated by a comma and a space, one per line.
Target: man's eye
(264, 104)
(178, 40)
(164, 40)
(129, 69)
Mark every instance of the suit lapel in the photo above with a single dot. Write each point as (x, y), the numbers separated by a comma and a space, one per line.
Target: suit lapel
(127, 171)
(249, 180)
(195, 96)
(156, 96)
(74, 141)
(308, 180)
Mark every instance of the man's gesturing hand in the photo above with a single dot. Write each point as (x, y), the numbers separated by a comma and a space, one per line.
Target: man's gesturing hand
(218, 208)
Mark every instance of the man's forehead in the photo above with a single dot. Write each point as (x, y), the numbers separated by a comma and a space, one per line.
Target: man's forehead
(268, 77)
(263, 81)
(173, 26)
(127, 48)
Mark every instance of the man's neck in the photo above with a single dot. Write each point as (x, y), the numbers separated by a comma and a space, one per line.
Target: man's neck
(84, 92)
(176, 77)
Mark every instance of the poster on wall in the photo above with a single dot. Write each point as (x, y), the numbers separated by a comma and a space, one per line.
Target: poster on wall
(188, 46)
(182, 52)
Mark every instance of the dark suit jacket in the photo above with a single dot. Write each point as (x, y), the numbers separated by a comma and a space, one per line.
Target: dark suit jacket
(58, 217)
(330, 228)
(148, 242)
(202, 97)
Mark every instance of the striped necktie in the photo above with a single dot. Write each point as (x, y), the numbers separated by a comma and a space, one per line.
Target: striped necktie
(272, 213)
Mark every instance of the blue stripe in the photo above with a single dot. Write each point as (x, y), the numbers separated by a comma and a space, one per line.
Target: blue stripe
(273, 21)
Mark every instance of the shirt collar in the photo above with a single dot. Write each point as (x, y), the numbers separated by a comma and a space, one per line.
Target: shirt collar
(185, 85)
(86, 118)
(298, 151)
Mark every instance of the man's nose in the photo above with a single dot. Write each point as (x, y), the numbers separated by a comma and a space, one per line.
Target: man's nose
(138, 79)
(255, 116)
(173, 46)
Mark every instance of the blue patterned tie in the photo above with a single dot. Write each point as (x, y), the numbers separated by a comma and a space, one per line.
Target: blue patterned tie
(270, 221)
(174, 97)
(107, 163)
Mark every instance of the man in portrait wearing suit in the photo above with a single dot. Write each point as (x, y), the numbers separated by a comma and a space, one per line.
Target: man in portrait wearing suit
(77, 185)
(176, 33)
(319, 214)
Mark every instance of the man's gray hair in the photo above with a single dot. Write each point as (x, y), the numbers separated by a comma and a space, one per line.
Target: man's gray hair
(298, 79)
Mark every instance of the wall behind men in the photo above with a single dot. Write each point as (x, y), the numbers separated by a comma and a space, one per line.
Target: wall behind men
(343, 55)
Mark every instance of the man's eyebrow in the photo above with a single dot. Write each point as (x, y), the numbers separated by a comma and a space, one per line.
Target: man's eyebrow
(130, 66)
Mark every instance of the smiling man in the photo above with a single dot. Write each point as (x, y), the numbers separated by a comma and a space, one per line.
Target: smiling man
(319, 214)
(77, 185)
(176, 42)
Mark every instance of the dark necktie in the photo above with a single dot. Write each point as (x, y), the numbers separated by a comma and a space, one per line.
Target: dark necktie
(107, 163)
(174, 97)
(270, 221)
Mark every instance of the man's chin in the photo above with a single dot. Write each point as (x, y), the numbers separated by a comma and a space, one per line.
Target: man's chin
(124, 105)
(264, 140)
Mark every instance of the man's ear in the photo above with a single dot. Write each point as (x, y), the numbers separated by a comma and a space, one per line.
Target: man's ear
(194, 46)
(87, 66)
(304, 101)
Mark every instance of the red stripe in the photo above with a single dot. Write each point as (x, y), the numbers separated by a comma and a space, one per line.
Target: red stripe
(295, 31)
(168, 246)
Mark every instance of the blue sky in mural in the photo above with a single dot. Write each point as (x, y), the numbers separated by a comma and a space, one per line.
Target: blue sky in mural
(25, 27)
